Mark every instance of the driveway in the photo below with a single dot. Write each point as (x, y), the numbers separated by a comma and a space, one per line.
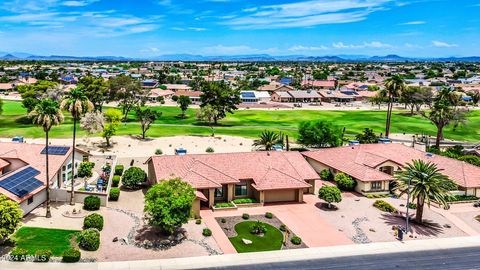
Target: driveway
(304, 219)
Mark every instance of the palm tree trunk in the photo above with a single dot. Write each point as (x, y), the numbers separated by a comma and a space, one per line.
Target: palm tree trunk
(389, 116)
(48, 214)
(419, 214)
(72, 195)
(439, 136)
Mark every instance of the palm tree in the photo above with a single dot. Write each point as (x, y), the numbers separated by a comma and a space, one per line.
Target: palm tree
(268, 139)
(426, 184)
(393, 88)
(46, 114)
(77, 103)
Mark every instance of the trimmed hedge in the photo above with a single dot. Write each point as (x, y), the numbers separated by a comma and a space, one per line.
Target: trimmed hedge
(91, 203)
(224, 205)
(296, 240)
(133, 177)
(89, 239)
(115, 180)
(245, 200)
(114, 194)
(43, 255)
(384, 206)
(119, 170)
(93, 221)
(71, 255)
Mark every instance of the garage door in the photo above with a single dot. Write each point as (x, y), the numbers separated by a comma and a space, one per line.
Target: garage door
(285, 195)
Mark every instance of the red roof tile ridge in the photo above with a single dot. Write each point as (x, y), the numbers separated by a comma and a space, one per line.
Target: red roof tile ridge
(206, 178)
(211, 167)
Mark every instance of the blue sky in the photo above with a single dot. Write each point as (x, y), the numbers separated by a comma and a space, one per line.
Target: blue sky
(138, 28)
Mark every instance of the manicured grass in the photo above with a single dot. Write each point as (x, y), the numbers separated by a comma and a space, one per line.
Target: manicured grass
(271, 240)
(33, 239)
(248, 123)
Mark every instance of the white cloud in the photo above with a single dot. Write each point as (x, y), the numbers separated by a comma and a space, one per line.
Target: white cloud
(414, 23)
(373, 44)
(441, 44)
(306, 13)
(78, 3)
(307, 48)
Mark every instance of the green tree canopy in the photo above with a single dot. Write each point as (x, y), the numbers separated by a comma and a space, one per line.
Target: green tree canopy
(330, 194)
(146, 117)
(319, 134)
(221, 97)
(168, 204)
(10, 216)
(184, 102)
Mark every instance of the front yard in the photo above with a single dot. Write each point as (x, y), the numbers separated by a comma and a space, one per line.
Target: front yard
(34, 239)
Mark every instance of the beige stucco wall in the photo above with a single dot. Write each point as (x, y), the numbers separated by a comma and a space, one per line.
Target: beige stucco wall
(389, 163)
(281, 195)
(317, 166)
(365, 187)
(152, 179)
(38, 199)
(196, 208)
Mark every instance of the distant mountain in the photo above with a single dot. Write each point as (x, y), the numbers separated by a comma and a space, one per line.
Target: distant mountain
(237, 58)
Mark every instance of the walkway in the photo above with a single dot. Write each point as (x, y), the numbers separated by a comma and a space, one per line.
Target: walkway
(449, 214)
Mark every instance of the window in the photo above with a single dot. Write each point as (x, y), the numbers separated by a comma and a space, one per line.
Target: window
(377, 185)
(241, 189)
(30, 200)
(219, 193)
(70, 166)
(64, 167)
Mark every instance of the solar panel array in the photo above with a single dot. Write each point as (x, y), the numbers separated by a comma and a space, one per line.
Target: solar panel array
(22, 183)
(55, 150)
(248, 95)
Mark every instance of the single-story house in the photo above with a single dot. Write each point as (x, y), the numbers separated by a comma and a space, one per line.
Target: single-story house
(149, 83)
(304, 96)
(22, 171)
(320, 84)
(177, 87)
(265, 176)
(373, 166)
(254, 96)
(331, 96)
(155, 93)
(193, 95)
(281, 96)
(275, 87)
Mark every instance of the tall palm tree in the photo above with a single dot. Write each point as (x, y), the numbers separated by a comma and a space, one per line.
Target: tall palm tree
(394, 86)
(46, 114)
(77, 103)
(426, 183)
(268, 139)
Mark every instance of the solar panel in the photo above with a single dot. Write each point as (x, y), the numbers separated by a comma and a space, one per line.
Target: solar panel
(22, 183)
(248, 94)
(55, 150)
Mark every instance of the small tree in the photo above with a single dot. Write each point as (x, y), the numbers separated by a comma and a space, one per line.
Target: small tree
(207, 114)
(10, 216)
(168, 204)
(268, 139)
(368, 136)
(113, 118)
(345, 182)
(146, 117)
(133, 177)
(319, 134)
(184, 102)
(221, 97)
(330, 194)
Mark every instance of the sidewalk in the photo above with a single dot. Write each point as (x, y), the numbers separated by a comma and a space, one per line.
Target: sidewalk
(262, 257)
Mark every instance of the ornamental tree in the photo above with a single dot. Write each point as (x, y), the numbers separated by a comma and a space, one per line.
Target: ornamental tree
(10, 216)
(168, 204)
(330, 194)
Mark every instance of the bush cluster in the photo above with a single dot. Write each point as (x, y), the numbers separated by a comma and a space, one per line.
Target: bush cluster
(91, 203)
(93, 221)
(119, 170)
(71, 255)
(326, 175)
(89, 239)
(114, 194)
(384, 206)
(345, 182)
(296, 240)
(133, 177)
(85, 169)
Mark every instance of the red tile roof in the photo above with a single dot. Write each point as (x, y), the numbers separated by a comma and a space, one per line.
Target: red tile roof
(30, 155)
(360, 162)
(268, 170)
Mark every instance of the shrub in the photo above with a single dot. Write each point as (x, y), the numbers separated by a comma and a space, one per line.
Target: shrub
(283, 228)
(93, 221)
(268, 215)
(384, 206)
(114, 194)
(474, 160)
(223, 220)
(412, 205)
(377, 196)
(326, 174)
(89, 239)
(258, 228)
(91, 203)
(198, 221)
(296, 240)
(210, 150)
(19, 254)
(345, 182)
(330, 194)
(224, 205)
(43, 255)
(11, 215)
(245, 216)
(245, 200)
(119, 170)
(133, 177)
(459, 198)
(85, 169)
(71, 255)
(158, 151)
(115, 180)
(207, 232)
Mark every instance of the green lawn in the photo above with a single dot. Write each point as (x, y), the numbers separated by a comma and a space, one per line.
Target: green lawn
(248, 123)
(272, 240)
(33, 239)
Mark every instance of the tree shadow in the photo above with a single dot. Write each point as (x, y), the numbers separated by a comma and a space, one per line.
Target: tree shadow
(324, 206)
(426, 228)
(24, 120)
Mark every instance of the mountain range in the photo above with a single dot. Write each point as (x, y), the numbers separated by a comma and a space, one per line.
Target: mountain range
(239, 58)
